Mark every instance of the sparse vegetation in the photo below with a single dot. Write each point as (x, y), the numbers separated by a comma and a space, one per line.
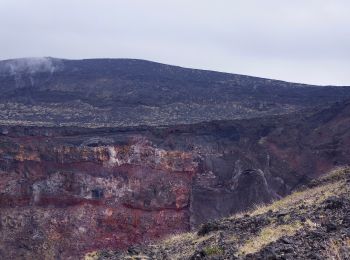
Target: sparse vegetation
(338, 250)
(213, 250)
(268, 235)
(92, 256)
(338, 173)
(122, 98)
(306, 197)
(182, 237)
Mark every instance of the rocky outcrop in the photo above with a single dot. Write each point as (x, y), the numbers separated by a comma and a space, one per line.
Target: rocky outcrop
(253, 184)
(246, 189)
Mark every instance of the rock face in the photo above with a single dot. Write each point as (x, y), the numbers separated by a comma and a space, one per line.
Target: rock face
(68, 191)
(59, 200)
(246, 189)
(253, 184)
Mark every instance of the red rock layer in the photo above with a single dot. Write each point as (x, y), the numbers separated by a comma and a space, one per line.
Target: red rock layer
(62, 200)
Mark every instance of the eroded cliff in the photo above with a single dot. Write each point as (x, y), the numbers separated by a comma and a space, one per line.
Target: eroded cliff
(68, 191)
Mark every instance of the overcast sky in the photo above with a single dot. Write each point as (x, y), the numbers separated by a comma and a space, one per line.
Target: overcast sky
(296, 40)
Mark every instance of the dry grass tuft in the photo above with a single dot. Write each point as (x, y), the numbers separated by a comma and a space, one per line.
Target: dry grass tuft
(268, 235)
(213, 250)
(308, 197)
(137, 257)
(338, 250)
(336, 174)
(186, 241)
(180, 238)
(92, 256)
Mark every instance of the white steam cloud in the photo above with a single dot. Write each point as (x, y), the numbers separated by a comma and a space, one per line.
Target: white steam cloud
(29, 66)
(26, 68)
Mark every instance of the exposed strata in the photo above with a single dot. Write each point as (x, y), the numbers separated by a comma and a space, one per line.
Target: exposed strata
(67, 191)
(54, 197)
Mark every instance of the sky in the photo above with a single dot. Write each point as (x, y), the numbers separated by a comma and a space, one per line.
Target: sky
(306, 41)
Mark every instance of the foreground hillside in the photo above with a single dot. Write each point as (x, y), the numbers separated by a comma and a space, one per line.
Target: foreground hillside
(312, 223)
(124, 92)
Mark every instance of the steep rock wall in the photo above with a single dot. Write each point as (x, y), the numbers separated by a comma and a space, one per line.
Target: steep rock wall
(62, 200)
(68, 191)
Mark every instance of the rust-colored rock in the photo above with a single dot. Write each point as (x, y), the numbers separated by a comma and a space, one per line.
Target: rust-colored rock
(68, 191)
(63, 200)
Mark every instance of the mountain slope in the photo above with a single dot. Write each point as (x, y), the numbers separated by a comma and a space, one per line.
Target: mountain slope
(122, 92)
(312, 223)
